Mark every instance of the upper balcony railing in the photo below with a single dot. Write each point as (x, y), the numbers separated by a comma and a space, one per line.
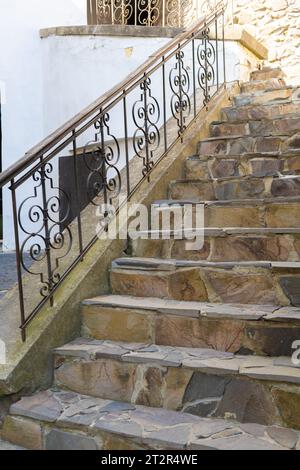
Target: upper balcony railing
(165, 13)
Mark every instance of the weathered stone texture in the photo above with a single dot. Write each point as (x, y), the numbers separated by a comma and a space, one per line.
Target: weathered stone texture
(276, 24)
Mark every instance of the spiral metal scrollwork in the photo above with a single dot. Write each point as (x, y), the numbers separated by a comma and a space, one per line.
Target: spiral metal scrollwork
(101, 157)
(180, 85)
(146, 116)
(148, 12)
(206, 56)
(103, 10)
(123, 11)
(41, 218)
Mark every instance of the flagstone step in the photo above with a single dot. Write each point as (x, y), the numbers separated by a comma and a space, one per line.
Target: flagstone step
(232, 244)
(267, 73)
(274, 283)
(259, 85)
(245, 187)
(262, 111)
(284, 93)
(282, 126)
(264, 213)
(203, 382)
(226, 166)
(262, 330)
(240, 145)
(69, 421)
(7, 446)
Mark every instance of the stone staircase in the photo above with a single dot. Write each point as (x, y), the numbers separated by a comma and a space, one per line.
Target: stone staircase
(192, 349)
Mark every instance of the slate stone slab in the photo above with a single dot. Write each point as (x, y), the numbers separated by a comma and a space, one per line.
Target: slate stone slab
(60, 440)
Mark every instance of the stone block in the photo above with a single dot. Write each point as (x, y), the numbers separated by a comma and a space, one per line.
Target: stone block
(23, 433)
(117, 324)
(62, 440)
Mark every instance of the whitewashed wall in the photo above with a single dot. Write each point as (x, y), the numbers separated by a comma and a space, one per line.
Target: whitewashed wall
(21, 74)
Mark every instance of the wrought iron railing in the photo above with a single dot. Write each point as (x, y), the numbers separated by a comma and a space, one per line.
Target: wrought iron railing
(107, 150)
(171, 13)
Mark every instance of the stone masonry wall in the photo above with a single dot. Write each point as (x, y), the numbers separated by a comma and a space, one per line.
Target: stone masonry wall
(277, 24)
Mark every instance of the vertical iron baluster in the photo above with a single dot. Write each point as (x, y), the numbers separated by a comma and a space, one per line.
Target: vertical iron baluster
(126, 143)
(103, 169)
(206, 33)
(224, 52)
(135, 13)
(217, 52)
(47, 230)
(146, 127)
(180, 93)
(18, 261)
(77, 194)
(194, 78)
(165, 103)
(149, 13)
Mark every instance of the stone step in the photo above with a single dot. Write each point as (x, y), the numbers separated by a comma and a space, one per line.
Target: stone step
(7, 446)
(257, 112)
(252, 329)
(257, 165)
(232, 244)
(245, 187)
(69, 421)
(240, 145)
(263, 213)
(267, 73)
(259, 85)
(282, 126)
(202, 382)
(272, 283)
(282, 94)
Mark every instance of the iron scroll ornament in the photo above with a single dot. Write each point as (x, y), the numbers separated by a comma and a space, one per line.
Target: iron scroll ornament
(180, 85)
(146, 116)
(45, 236)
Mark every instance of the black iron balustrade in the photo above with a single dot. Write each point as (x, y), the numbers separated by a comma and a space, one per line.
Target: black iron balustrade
(129, 127)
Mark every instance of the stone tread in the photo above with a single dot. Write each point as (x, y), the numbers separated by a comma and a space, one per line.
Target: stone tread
(173, 264)
(208, 361)
(229, 179)
(198, 309)
(219, 232)
(245, 157)
(8, 446)
(239, 187)
(230, 202)
(264, 107)
(281, 117)
(149, 427)
(245, 136)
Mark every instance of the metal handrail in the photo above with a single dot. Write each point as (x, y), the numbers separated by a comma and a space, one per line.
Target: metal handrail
(37, 151)
(57, 210)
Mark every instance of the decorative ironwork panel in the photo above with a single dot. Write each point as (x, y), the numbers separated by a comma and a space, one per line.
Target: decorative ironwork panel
(146, 115)
(45, 242)
(180, 85)
(206, 55)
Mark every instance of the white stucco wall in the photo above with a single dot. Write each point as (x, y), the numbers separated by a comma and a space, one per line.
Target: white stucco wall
(21, 74)
(79, 69)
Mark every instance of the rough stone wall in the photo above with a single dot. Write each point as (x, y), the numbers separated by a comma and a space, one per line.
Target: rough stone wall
(277, 24)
